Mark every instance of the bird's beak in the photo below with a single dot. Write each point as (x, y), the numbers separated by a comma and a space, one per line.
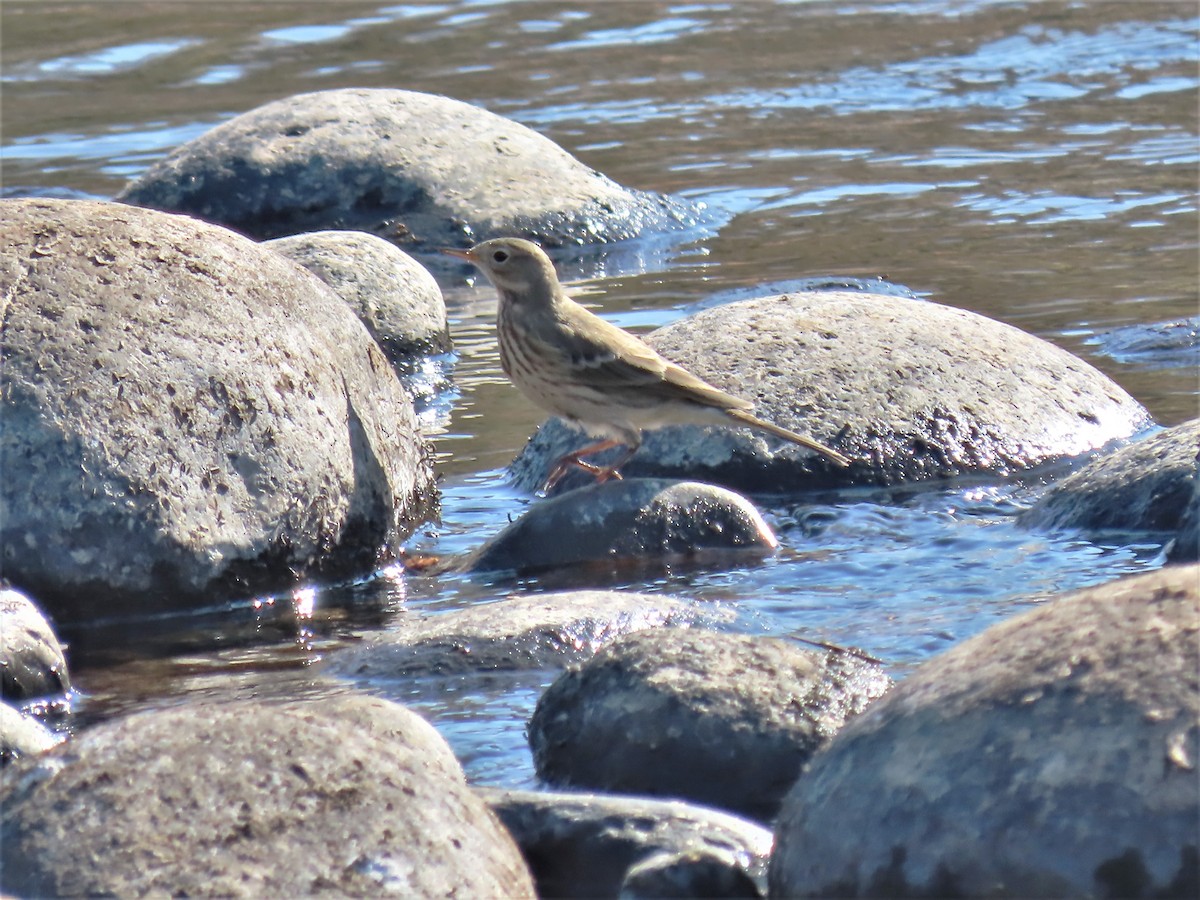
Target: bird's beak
(461, 254)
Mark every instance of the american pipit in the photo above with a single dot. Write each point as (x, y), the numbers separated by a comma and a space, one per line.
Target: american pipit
(575, 365)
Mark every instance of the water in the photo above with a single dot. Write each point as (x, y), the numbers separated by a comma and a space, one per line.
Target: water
(1034, 162)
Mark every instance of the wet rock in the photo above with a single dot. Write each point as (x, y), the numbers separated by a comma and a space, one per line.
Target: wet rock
(418, 169)
(907, 389)
(692, 873)
(345, 796)
(1158, 345)
(583, 845)
(22, 735)
(525, 632)
(722, 719)
(390, 292)
(31, 658)
(1053, 755)
(626, 520)
(187, 417)
(1150, 485)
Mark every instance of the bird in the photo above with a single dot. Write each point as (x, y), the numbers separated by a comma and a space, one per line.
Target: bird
(573, 364)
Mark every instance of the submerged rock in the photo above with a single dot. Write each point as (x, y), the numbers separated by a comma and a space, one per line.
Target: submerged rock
(32, 663)
(345, 796)
(591, 845)
(1151, 485)
(634, 519)
(525, 632)
(1053, 755)
(722, 719)
(907, 389)
(418, 169)
(390, 292)
(188, 418)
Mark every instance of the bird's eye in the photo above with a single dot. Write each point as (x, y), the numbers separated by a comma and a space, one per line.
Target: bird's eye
(500, 256)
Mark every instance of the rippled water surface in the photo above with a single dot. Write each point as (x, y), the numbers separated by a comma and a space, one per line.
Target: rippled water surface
(1035, 162)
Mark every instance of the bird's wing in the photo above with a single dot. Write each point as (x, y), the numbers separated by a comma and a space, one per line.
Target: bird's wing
(616, 360)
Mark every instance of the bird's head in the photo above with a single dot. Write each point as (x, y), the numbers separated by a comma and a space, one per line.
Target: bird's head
(520, 270)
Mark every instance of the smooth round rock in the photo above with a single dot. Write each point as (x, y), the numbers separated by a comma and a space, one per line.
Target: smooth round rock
(188, 417)
(1149, 485)
(524, 632)
(1053, 755)
(727, 720)
(908, 389)
(688, 874)
(586, 845)
(22, 735)
(344, 796)
(390, 292)
(32, 663)
(634, 519)
(418, 169)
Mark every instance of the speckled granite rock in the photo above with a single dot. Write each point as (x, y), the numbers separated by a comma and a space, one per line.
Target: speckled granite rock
(1149, 485)
(907, 389)
(418, 169)
(188, 417)
(721, 719)
(344, 796)
(1053, 755)
(390, 292)
(635, 519)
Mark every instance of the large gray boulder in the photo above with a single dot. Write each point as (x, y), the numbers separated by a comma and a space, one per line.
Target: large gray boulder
(187, 417)
(648, 520)
(344, 796)
(1150, 485)
(726, 720)
(418, 169)
(1053, 755)
(907, 389)
(393, 294)
(600, 845)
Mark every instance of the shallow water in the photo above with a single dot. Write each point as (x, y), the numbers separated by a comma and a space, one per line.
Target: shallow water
(1034, 162)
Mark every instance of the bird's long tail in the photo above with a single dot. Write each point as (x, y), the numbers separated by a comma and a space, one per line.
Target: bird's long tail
(754, 422)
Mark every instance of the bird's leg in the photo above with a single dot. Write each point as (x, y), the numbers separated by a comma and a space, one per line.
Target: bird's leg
(601, 473)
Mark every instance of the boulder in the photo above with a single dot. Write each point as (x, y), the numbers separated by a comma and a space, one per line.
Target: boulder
(907, 389)
(188, 417)
(342, 796)
(727, 720)
(650, 520)
(32, 663)
(1150, 485)
(22, 735)
(418, 169)
(1052, 755)
(523, 632)
(390, 292)
(591, 845)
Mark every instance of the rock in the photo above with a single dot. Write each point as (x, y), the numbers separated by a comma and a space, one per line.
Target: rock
(726, 720)
(419, 169)
(1149, 485)
(342, 796)
(188, 418)
(31, 658)
(691, 873)
(1053, 755)
(583, 845)
(522, 632)
(908, 389)
(22, 735)
(1158, 345)
(625, 520)
(390, 292)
